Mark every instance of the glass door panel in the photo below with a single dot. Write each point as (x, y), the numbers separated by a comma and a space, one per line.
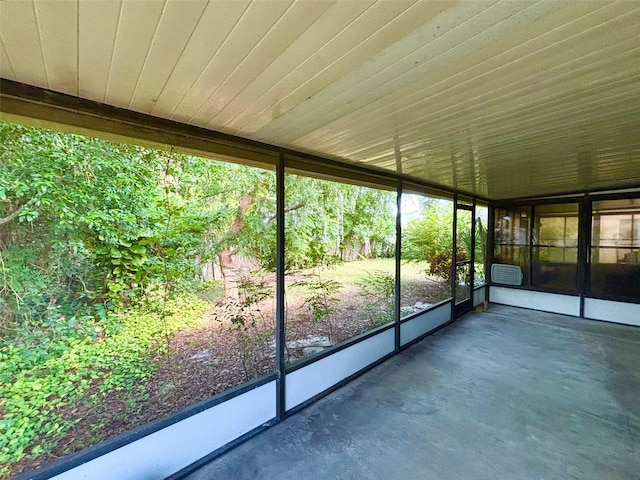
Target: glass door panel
(463, 281)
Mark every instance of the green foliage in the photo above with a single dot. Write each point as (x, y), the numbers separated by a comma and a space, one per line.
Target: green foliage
(22, 287)
(325, 219)
(247, 323)
(372, 219)
(81, 203)
(43, 370)
(377, 289)
(440, 264)
(102, 246)
(429, 238)
(211, 291)
(123, 216)
(480, 253)
(322, 301)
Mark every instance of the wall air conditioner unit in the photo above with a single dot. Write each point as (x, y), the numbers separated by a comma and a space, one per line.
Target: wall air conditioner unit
(506, 274)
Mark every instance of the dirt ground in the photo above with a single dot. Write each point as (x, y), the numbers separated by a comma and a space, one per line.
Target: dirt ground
(202, 362)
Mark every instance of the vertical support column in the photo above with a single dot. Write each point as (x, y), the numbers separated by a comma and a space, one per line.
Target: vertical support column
(280, 313)
(396, 308)
(452, 275)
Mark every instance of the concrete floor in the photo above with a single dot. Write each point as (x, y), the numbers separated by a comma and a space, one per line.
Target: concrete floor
(507, 394)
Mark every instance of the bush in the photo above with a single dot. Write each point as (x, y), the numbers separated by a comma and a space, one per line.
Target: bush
(247, 323)
(44, 370)
(377, 289)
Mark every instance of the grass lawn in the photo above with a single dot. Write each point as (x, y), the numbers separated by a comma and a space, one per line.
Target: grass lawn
(349, 272)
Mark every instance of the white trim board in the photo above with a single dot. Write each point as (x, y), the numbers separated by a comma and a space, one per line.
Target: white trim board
(610, 311)
(173, 448)
(546, 302)
(479, 296)
(311, 380)
(424, 323)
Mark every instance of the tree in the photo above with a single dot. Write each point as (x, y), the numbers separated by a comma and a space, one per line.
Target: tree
(372, 222)
(429, 238)
(326, 220)
(80, 208)
(103, 222)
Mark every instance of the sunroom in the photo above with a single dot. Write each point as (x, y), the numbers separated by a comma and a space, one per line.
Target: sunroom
(282, 196)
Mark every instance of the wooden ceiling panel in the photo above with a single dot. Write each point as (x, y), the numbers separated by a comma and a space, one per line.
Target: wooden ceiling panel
(6, 69)
(216, 22)
(256, 22)
(504, 77)
(456, 92)
(513, 114)
(21, 38)
(59, 40)
(97, 27)
(345, 57)
(285, 31)
(384, 72)
(137, 27)
(177, 24)
(311, 52)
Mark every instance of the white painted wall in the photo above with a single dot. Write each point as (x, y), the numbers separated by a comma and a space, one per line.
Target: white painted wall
(478, 296)
(306, 382)
(171, 449)
(424, 323)
(547, 302)
(610, 311)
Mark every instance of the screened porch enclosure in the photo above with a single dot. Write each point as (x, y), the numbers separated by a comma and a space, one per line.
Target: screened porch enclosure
(332, 188)
(559, 246)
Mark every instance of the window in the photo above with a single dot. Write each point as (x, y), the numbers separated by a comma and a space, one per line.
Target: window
(134, 283)
(482, 220)
(555, 246)
(427, 229)
(615, 248)
(512, 238)
(340, 262)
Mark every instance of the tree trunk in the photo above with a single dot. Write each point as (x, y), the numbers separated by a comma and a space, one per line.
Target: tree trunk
(230, 276)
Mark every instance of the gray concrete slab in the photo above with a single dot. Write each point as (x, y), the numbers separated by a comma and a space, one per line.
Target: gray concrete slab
(506, 394)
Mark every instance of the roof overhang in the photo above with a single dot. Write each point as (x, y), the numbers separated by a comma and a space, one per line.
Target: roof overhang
(496, 99)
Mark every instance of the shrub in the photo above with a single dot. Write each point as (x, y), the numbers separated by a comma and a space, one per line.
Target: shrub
(322, 302)
(46, 369)
(247, 322)
(377, 289)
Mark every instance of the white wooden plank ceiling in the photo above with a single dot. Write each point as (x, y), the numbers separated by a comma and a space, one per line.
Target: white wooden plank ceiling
(502, 98)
